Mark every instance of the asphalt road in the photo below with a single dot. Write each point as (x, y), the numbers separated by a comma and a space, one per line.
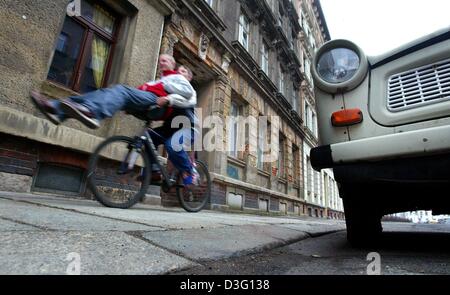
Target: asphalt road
(404, 249)
(52, 235)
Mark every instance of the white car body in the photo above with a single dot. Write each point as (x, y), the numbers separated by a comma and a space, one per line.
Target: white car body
(402, 145)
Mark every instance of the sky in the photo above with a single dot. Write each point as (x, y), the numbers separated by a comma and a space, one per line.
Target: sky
(378, 26)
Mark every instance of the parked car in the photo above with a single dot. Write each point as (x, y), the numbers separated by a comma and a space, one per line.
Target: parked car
(384, 127)
(444, 221)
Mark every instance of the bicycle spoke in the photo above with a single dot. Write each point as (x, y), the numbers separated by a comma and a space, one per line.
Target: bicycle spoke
(117, 177)
(195, 197)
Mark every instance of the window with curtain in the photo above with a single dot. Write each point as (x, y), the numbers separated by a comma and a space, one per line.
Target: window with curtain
(309, 172)
(265, 58)
(262, 144)
(314, 125)
(233, 132)
(308, 70)
(306, 114)
(281, 83)
(244, 30)
(295, 100)
(296, 164)
(84, 47)
(281, 158)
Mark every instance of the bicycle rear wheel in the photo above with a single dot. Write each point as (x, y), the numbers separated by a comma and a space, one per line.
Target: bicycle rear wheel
(195, 198)
(118, 172)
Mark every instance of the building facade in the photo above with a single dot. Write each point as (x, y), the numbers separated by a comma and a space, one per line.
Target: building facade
(61, 52)
(421, 216)
(250, 58)
(321, 190)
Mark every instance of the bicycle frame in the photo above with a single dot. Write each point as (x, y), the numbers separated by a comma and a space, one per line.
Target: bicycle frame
(191, 200)
(150, 149)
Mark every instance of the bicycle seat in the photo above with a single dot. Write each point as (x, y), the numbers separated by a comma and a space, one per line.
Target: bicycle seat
(153, 113)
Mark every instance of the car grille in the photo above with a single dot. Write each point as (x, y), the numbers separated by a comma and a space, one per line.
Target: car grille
(419, 87)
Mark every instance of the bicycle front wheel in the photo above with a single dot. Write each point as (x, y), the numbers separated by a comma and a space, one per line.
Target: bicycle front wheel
(195, 198)
(118, 172)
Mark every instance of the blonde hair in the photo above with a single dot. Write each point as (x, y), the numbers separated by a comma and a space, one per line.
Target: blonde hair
(170, 57)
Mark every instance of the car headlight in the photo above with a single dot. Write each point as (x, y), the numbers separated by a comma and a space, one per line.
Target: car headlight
(339, 66)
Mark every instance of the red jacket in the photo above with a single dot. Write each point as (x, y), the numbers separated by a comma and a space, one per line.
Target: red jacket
(157, 88)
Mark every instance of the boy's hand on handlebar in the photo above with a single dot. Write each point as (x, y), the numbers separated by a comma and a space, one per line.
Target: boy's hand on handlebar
(162, 101)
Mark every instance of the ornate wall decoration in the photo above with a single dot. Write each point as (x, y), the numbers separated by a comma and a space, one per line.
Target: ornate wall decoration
(203, 46)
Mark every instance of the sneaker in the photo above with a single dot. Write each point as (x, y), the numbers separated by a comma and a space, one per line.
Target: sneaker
(191, 179)
(45, 107)
(196, 175)
(81, 113)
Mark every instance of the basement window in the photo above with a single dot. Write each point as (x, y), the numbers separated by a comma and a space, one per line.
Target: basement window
(54, 178)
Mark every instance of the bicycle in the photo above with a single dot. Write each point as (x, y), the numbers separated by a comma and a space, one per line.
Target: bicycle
(120, 167)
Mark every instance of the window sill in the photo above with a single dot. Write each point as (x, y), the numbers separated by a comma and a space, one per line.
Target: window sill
(263, 173)
(56, 90)
(282, 180)
(236, 161)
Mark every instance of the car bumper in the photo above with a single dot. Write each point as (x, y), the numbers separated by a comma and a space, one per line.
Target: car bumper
(416, 143)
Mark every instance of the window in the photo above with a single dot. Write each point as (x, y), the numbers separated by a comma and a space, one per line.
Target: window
(310, 119)
(317, 177)
(311, 41)
(307, 64)
(295, 100)
(244, 31)
(262, 132)
(281, 165)
(272, 5)
(210, 2)
(307, 111)
(56, 178)
(305, 25)
(296, 164)
(281, 83)
(293, 41)
(314, 125)
(233, 133)
(309, 176)
(265, 58)
(83, 49)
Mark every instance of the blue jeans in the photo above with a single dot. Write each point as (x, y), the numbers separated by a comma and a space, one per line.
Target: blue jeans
(104, 103)
(176, 143)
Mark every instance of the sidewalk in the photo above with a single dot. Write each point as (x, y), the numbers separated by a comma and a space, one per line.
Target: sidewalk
(39, 232)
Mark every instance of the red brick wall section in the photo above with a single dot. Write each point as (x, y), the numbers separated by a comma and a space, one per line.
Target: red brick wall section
(218, 194)
(251, 200)
(290, 207)
(274, 204)
(17, 155)
(21, 156)
(52, 154)
(170, 199)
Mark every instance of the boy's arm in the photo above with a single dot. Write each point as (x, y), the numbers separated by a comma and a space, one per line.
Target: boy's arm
(146, 85)
(179, 101)
(177, 84)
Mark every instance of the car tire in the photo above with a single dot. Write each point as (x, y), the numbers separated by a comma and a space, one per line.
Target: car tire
(362, 216)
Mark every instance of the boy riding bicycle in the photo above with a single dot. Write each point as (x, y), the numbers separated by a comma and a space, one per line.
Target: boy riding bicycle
(173, 90)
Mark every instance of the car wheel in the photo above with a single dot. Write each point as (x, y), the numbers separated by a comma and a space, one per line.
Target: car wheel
(362, 216)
